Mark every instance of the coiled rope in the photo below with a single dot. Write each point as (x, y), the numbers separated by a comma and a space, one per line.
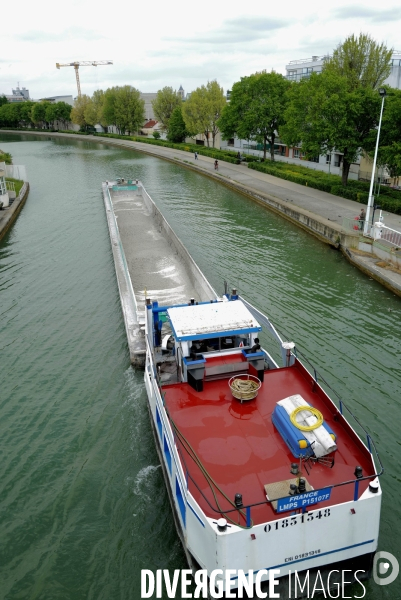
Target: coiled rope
(316, 413)
(244, 389)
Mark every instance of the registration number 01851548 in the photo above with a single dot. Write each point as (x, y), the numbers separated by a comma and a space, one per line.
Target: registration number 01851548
(306, 517)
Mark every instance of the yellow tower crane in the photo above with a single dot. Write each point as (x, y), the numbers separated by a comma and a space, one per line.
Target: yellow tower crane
(86, 63)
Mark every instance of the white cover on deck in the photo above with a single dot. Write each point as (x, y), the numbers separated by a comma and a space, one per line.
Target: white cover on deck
(323, 443)
(216, 317)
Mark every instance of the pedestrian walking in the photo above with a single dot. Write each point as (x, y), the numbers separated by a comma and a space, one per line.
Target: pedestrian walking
(216, 165)
(362, 218)
(196, 156)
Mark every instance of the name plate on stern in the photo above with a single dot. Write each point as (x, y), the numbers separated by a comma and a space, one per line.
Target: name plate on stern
(301, 500)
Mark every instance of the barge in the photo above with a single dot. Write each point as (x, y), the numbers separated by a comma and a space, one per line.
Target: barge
(264, 471)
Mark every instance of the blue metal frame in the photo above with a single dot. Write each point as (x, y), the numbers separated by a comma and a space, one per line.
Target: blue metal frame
(215, 334)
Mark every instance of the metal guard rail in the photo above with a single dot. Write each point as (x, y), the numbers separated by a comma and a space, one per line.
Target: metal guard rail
(248, 507)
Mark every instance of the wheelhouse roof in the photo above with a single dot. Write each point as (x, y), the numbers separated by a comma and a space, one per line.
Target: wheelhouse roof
(216, 319)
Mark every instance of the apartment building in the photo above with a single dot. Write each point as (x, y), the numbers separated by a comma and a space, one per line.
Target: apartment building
(299, 69)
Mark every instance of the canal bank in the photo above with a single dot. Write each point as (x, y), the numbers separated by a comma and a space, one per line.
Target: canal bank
(319, 213)
(9, 215)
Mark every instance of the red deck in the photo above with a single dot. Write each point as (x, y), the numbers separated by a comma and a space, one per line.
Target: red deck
(241, 449)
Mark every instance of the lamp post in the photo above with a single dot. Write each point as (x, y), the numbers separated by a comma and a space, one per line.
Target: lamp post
(367, 227)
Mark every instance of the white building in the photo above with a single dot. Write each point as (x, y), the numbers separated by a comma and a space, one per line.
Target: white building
(54, 99)
(299, 69)
(18, 95)
(147, 97)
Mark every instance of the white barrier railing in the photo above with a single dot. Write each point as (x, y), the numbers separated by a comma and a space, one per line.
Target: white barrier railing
(389, 235)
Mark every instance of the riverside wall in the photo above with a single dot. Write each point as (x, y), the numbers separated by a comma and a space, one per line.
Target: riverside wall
(8, 216)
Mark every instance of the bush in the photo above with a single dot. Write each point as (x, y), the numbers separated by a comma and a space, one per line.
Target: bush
(355, 190)
(6, 157)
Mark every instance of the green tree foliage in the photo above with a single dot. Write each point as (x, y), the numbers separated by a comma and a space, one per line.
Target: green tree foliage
(256, 109)
(362, 62)
(57, 111)
(389, 153)
(177, 131)
(51, 114)
(338, 108)
(129, 109)
(64, 112)
(203, 109)
(122, 107)
(38, 113)
(6, 157)
(156, 135)
(16, 114)
(6, 116)
(324, 115)
(108, 116)
(164, 104)
(3, 100)
(94, 110)
(78, 111)
(25, 113)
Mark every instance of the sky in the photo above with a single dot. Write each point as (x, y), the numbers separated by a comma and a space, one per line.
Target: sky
(179, 42)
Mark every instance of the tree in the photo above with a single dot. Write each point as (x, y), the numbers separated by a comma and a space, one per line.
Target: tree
(156, 135)
(338, 108)
(9, 115)
(108, 116)
(3, 100)
(6, 157)
(324, 115)
(362, 62)
(203, 109)
(389, 154)
(25, 113)
(78, 111)
(129, 109)
(58, 111)
(177, 131)
(256, 109)
(64, 112)
(16, 114)
(94, 110)
(39, 113)
(164, 104)
(51, 114)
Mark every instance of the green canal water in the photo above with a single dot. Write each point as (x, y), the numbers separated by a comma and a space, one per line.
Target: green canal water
(83, 506)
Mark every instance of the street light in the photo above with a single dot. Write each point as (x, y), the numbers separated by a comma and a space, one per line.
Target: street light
(367, 228)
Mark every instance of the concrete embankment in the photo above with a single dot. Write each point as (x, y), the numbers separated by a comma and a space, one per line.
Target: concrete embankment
(9, 215)
(318, 213)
